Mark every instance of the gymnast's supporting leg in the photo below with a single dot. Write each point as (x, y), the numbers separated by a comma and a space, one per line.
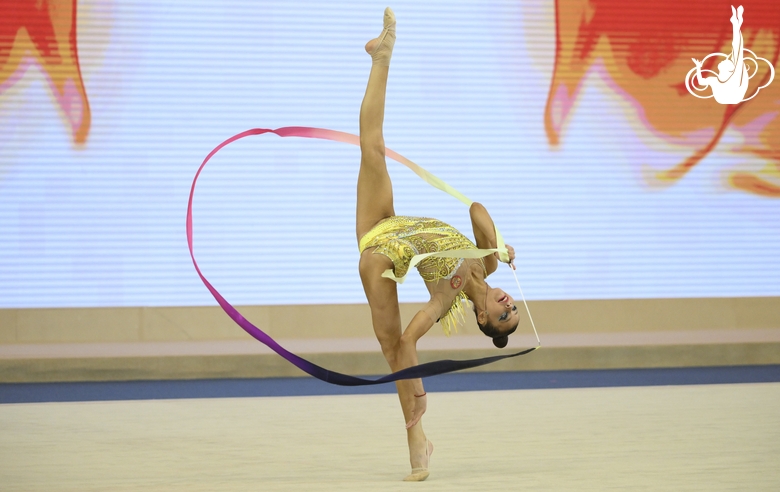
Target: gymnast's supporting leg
(374, 203)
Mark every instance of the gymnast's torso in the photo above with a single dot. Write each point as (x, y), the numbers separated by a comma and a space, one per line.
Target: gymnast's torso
(400, 238)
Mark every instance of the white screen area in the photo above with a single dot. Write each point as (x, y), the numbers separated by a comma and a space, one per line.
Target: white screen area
(102, 223)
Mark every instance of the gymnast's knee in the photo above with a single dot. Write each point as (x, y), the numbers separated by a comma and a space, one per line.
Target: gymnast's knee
(389, 349)
(372, 149)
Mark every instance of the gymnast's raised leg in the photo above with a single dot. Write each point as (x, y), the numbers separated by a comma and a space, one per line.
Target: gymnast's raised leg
(374, 203)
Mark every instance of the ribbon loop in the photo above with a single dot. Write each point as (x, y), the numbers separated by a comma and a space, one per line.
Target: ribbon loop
(419, 371)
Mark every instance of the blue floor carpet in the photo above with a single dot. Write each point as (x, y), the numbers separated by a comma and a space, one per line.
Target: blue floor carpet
(484, 381)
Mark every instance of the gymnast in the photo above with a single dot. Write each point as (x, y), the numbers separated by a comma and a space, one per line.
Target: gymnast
(731, 84)
(388, 242)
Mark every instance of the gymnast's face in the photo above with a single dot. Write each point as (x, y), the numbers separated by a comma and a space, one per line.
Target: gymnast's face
(500, 310)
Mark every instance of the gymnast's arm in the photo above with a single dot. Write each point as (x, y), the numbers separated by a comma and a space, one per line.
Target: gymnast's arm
(701, 80)
(418, 327)
(407, 357)
(484, 233)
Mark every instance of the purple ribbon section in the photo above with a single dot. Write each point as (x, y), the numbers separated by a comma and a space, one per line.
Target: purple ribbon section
(419, 371)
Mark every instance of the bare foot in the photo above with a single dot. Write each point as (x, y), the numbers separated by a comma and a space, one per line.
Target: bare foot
(381, 48)
(420, 460)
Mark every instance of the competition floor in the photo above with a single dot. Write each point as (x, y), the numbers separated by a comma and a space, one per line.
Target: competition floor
(675, 436)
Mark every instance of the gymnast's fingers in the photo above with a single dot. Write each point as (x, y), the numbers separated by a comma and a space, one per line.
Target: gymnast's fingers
(415, 418)
(420, 405)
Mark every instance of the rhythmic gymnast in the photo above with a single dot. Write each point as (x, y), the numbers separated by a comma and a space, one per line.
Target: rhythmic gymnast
(731, 83)
(388, 241)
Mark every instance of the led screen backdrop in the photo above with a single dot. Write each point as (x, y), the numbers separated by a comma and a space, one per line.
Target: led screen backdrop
(570, 120)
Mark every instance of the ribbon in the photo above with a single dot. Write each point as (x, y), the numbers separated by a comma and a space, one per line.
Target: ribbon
(419, 371)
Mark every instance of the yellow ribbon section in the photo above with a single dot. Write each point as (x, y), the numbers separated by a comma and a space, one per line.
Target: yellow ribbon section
(337, 136)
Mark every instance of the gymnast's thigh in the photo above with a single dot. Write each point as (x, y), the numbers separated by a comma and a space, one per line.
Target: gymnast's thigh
(381, 293)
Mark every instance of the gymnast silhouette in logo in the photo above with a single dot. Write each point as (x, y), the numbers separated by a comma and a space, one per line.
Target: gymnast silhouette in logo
(730, 84)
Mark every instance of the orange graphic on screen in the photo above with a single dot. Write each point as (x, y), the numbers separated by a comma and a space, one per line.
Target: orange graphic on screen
(644, 49)
(44, 32)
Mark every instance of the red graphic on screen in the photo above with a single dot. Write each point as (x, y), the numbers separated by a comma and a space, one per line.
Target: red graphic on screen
(644, 50)
(44, 32)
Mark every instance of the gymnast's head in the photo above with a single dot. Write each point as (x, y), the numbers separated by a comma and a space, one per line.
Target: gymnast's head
(725, 69)
(499, 318)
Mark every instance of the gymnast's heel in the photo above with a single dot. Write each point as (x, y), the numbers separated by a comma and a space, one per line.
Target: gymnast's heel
(381, 48)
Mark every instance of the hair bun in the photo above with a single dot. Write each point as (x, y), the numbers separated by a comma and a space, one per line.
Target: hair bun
(501, 342)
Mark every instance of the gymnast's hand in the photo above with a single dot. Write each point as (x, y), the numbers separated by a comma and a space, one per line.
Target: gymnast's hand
(420, 405)
(511, 252)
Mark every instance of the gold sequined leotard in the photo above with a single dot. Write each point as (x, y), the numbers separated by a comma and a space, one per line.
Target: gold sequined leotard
(400, 238)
